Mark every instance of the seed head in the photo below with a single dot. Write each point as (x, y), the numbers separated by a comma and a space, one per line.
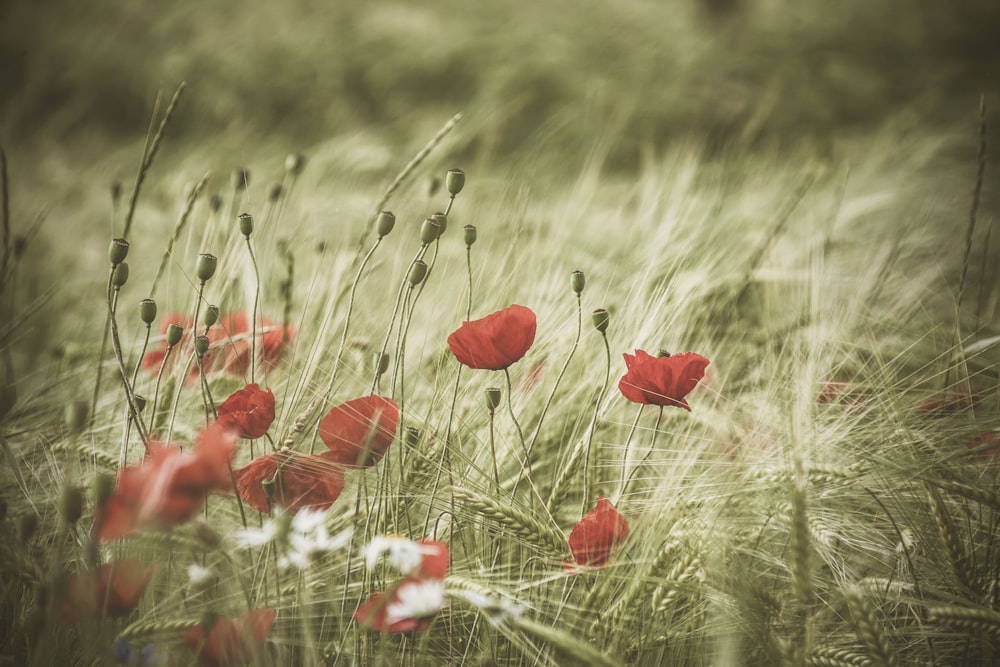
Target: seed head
(174, 334)
(246, 224)
(120, 275)
(205, 267)
(118, 251)
(386, 221)
(442, 221)
(577, 281)
(470, 235)
(147, 311)
(211, 315)
(201, 344)
(455, 181)
(430, 231)
(417, 273)
(492, 398)
(601, 318)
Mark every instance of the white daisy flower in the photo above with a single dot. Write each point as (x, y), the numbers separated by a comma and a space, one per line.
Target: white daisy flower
(416, 599)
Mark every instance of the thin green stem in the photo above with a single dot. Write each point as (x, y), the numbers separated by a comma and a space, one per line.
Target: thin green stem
(117, 346)
(588, 472)
(253, 322)
(628, 445)
(395, 310)
(156, 390)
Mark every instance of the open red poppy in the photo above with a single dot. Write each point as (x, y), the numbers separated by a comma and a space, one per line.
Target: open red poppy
(230, 641)
(495, 341)
(233, 332)
(961, 400)
(661, 380)
(594, 539)
(303, 481)
(360, 431)
(111, 590)
(251, 409)
(170, 485)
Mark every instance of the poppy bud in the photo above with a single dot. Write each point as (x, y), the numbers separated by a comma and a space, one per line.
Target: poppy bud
(577, 281)
(470, 235)
(295, 163)
(27, 526)
(120, 275)
(442, 221)
(77, 413)
(147, 311)
(411, 436)
(116, 191)
(381, 362)
(215, 202)
(274, 194)
(201, 344)
(433, 185)
(71, 504)
(246, 224)
(662, 354)
(211, 315)
(601, 317)
(240, 178)
(118, 251)
(417, 273)
(386, 221)
(174, 334)
(430, 231)
(492, 398)
(140, 402)
(455, 181)
(205, 267)
(102, 487)
(206, 534)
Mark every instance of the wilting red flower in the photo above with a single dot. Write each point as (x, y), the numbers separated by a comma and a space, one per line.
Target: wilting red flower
(496, 341)
(111, 590)
(409, 606)
(661, 380)
(230, 641)
(960, 400)
(230, 344)
(251, 409)
(359, 431)
(233, 331)
(303, 481)
(170, 485)
(593, 540)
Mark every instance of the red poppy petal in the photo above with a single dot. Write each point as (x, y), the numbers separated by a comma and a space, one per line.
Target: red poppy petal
(304, 481)
(251, 409)
(495, 341)
(231, 641)
(111, 590)
(360, 431)
(594, 539)
(435, 559)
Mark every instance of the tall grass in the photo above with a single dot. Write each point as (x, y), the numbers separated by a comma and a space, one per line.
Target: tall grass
(811, 509)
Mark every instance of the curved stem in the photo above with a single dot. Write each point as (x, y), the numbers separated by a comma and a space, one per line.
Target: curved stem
(628, 445)
(253, 322)
(156, 390)
(117, 345)
(588, 473)
(395, 309)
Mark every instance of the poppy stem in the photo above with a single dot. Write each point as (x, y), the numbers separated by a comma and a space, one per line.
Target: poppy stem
(588, 469)
(117, 346)
(645, 458)
(493, 451)
(253, 321)
(156, 390)
(395, 310)
(628, 445)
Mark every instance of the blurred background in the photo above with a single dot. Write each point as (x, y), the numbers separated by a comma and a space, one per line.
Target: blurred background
(524, 73)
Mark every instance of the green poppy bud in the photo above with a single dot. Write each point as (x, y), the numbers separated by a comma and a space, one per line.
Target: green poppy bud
(215, 202)
(470, 235)
(433, 185)
(246, 224)
(601, 317)
(174, 334)
(102, 487)
(417, 273)
(381, 362)
(147, 311)
(77, 414)
(27, 526)
(455, 181)
(430, 231)
(201, 344)
(386, 221)
(205, 267)
(240, 178)
(211, 315)
(295, 163)
(118, 251)
(120, 275)
(274, 194)
(71, 504)
(577, 281)
(140, 402)
(116, 191)
(662, 353)
(492, 398)
(442, 221)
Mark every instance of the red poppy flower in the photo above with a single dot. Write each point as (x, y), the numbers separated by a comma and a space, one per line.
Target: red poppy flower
(170, 485)
(233, 331)
(593, 540)
(961, 400)
(359, 431)
(251, 409)
(304, 481)
(409, 606)
(496, 341)
(152, 359)
(661, 380)
(111, 590)
(230, 641)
